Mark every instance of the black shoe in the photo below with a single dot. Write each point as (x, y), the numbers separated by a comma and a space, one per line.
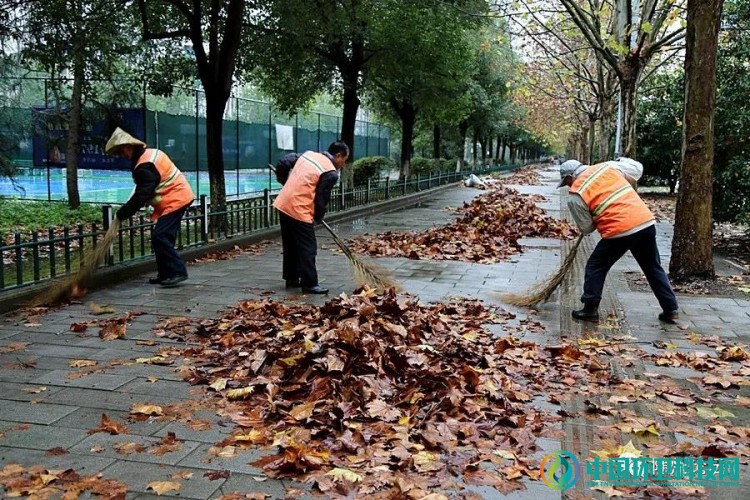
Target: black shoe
(317, 289)
(587, 314)
(670, 317)
(293, 284)
(173, 281)
(155, 281)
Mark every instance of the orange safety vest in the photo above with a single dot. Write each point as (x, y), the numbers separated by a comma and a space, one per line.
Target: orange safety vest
(173, 191)
(615, 206)
(297, 198)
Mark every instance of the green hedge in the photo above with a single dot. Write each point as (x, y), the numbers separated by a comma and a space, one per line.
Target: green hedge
(370, 168)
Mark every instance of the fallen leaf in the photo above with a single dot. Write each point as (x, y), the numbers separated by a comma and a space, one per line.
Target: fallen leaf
(34, 390)
(712, 413)
(81, 363)
(240, 393)
(112, 331)
(96, 309)
(339, 474)
(56, 452)
(110, 426)
(146, 409)
(217, 474)
(161, 487)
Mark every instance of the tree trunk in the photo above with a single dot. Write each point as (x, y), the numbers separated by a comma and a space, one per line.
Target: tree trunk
(215, 105)
(692, 245)
(483, 149)
(631, 71)
(605, 128)
(498, 142)
(591, 139)
(583, 141)
(503, 143)
(407, 113)
(349, 118)
(463, 128)
(436, 141)
(474, 141)
(74, 135)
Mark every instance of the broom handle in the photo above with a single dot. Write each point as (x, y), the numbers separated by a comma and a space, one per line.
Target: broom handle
(338, 240)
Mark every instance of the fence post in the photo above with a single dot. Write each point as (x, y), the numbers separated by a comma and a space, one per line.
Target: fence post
(107, 217)
(343, 195)
(267, 207)
(367, 195)
(388, 187)
(419, 182)
(204, 218)
(429, 180)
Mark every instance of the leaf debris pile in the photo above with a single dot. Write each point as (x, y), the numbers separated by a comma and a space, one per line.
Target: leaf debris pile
(487, 231)
(38, 482)
(374, 393)
(526, 176)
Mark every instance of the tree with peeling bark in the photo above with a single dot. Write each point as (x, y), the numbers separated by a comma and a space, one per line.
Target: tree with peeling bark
(214, 28)
(692, 245)
(626, 35)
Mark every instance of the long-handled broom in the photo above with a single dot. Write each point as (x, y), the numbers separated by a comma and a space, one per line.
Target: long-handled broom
(541, 292)
(365, 273)
(75, 285)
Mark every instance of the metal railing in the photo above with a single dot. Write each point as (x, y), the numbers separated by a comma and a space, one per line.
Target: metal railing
(60, 251)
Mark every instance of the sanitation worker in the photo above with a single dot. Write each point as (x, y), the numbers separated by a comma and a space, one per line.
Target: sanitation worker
(159, 183)
(302, 202)
(603, 197)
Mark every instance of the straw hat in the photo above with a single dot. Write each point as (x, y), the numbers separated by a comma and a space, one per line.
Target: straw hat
(121, 138)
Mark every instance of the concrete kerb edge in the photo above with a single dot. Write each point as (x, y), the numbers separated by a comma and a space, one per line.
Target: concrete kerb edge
(18, 298)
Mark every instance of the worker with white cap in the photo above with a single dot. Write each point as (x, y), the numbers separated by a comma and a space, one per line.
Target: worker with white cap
(603, 197)
(159, 183)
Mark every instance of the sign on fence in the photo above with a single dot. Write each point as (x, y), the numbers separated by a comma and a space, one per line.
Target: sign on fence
(50, 137)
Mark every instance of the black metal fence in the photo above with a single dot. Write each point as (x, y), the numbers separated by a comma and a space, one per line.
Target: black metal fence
(60, 251)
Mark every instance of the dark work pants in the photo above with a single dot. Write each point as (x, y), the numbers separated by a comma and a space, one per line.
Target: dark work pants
(643, 247)
(163, 237)
(300, 248)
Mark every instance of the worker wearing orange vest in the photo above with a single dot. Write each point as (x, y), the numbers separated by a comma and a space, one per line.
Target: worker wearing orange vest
(302, 202)
(602, 197)
(159, 183)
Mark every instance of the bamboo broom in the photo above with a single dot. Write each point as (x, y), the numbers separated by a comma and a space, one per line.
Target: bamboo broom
(541, 292)
(75, 285)
(365, 274)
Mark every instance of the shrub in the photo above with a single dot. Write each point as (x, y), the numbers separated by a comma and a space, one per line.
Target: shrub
(732, 192)
(370, 168)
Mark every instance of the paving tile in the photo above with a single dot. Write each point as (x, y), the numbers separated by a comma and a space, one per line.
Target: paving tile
(39, 437)
(41, 413)
(90, 418)
(137, 476)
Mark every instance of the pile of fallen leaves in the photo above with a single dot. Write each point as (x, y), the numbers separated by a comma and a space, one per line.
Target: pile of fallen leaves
(487, 232)
(661, 205)
(38, 482)
(527, 176)
(374, 393)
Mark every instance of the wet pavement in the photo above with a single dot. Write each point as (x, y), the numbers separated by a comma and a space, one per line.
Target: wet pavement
(61, 414)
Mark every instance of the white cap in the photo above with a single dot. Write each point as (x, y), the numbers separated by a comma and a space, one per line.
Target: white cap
(568, 168)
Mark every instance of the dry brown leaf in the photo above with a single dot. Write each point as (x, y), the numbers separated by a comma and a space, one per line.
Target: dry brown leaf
(161, 487)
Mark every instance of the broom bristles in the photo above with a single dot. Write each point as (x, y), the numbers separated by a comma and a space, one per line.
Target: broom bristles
(364, 273)
(542, 291)
(93, 257)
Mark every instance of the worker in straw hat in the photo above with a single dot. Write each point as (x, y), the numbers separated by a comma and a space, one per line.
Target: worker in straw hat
(603, 197)
(160, 183)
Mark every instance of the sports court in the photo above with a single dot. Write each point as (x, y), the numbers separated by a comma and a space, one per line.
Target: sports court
(115, 186)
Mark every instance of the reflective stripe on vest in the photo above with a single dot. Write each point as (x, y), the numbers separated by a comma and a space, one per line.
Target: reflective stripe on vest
(297, 198)
(614, 205)
(173, 192)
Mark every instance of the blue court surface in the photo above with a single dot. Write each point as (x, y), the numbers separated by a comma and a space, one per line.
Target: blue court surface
(115, 186)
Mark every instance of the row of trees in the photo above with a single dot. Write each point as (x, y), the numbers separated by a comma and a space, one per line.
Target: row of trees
(446, 66)
(596, 55)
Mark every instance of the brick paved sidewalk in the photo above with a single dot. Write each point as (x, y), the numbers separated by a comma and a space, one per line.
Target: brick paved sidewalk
(61, 415)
